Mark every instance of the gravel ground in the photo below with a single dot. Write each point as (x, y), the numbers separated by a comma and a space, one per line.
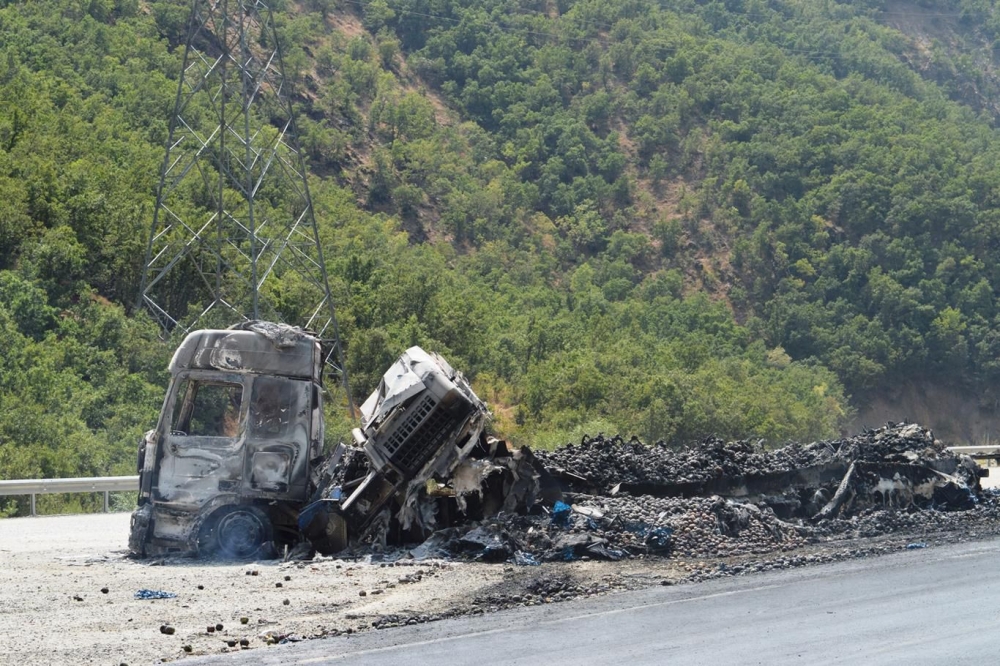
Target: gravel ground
(54, 570)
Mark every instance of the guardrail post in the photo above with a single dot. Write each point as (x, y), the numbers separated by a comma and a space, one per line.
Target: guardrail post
(106, 501)
(32, 504)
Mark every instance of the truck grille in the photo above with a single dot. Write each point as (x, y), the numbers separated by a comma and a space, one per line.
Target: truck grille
(423, 433)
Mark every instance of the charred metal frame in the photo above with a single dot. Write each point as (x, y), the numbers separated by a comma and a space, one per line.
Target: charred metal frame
(233, 144)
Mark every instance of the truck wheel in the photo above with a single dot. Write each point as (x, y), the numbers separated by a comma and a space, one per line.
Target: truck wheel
(239, 532)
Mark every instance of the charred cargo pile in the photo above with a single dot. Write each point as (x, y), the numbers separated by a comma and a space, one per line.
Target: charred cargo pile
(622, 498)
(723, 499)
(896, 466)
(614, 528)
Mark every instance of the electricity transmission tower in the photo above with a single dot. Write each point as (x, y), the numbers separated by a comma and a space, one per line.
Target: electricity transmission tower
(233, 234)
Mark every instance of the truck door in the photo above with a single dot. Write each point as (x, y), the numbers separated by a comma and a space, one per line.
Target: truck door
(278, 438)
(203, 449)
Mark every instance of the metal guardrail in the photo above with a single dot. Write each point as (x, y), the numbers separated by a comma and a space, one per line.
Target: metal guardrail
(983, 449)
(96, 484)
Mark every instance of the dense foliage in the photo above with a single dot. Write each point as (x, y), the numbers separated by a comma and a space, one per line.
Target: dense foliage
(672, 219)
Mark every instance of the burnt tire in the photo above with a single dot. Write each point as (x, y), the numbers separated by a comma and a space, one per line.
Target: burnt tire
(236, 533)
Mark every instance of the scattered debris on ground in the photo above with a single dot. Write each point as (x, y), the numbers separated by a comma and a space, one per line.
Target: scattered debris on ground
(219, 608)
(608, 498)
(620, 499)
(422, 478)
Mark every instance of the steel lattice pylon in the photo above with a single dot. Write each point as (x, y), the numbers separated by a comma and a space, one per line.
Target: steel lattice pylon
(233, 233)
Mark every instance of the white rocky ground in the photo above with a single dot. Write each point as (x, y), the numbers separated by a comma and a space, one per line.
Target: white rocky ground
(53, 570)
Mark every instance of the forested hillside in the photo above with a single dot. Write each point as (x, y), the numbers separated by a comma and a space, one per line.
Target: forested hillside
(667, 218)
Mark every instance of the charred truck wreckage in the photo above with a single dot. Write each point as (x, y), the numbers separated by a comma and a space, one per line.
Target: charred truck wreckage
(230, 476)
(235, 468)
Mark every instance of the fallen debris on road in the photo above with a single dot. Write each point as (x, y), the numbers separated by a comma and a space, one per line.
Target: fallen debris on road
(154, 594)
(620, 499)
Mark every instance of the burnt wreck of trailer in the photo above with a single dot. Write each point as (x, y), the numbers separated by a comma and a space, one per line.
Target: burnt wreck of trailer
(235, 468)
(898, 467)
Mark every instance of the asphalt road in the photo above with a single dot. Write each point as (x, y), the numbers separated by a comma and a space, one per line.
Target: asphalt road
(929, 606)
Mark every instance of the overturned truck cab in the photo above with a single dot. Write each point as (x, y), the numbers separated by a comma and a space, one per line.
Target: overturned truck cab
(420, 424)
(229, 463)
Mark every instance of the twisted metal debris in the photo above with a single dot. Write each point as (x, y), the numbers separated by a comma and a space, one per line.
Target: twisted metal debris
(621, 498)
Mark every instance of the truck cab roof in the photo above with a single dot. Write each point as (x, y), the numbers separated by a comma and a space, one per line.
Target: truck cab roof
(251, 348)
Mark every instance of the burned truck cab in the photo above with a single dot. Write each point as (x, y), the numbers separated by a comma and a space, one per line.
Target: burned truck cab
(421, 422)
(228, 465)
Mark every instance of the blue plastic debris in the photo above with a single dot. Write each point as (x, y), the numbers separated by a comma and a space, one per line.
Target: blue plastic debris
(601, 550)
(916, 545)
(154, 594)
(524, 559)
(659, 537)
(560, 513)
(654, 537)
(307, 514)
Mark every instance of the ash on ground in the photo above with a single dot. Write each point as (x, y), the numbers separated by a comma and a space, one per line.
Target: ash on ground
(622, 499)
